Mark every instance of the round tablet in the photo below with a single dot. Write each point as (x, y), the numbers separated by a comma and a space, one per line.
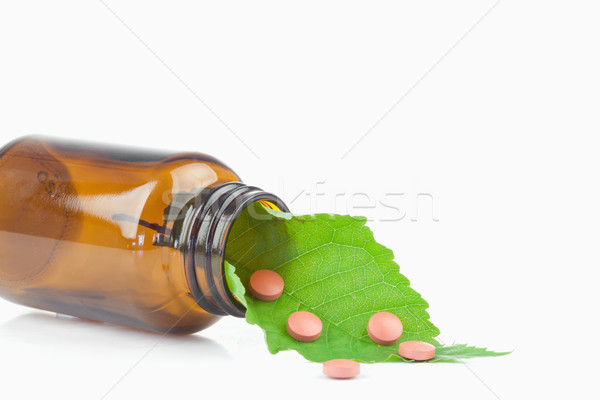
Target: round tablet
(341, 368)
(415, 350)
(384, 328)
(266, 285)
(304, 326)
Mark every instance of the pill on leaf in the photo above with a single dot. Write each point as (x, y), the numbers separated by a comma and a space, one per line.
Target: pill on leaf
(384, 328)
(304, 326)
(415, 350)
(266, 285)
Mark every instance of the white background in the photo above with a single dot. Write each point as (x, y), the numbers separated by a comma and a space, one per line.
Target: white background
(495, 121)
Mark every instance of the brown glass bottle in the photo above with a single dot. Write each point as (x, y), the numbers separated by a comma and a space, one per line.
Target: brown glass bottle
(128, 236)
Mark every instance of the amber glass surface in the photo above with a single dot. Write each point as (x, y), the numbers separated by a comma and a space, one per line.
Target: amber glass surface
(80, 227)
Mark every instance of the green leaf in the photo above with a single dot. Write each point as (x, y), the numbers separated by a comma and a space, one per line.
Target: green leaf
(333, 267)
(456, 353)
(236, 287)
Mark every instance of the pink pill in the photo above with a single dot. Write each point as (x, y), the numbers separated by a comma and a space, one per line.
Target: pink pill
(304, 326)
(384, 328)
(266, 285)
(415, 350)
(341, 368)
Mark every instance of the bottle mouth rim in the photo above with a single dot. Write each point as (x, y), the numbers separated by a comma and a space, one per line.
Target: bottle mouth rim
(211, 228)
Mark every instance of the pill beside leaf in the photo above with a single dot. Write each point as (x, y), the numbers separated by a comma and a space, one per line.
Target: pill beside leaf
(341, 368)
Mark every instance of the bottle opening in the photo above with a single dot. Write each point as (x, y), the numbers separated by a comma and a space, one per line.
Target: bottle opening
(212, 223)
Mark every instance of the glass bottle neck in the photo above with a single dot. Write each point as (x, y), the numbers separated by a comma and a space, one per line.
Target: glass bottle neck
(206, 224)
